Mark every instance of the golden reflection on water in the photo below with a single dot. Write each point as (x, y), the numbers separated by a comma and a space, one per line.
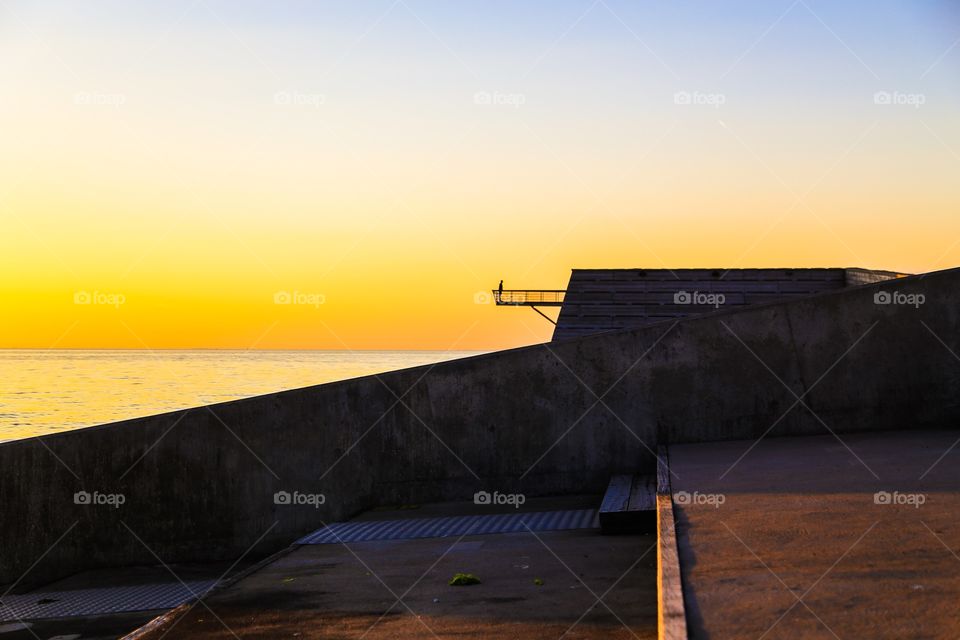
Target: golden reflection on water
(58, 390)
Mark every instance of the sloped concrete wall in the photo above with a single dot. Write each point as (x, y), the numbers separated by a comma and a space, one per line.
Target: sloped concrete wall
(548, 419)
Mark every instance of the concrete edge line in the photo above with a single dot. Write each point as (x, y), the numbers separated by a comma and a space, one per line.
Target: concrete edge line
(143, 632)
(671, 615)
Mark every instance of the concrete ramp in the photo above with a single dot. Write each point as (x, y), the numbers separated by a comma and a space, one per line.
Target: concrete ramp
(820, 536)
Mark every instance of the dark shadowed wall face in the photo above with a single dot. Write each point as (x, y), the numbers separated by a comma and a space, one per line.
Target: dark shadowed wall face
(252, 475)
(599, 300)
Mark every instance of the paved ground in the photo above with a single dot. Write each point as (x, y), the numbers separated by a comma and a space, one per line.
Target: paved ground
(800, 547)
(93, 628)
(398, 589)
(104, 627)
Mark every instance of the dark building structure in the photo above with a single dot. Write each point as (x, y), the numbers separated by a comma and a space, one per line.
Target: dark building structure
(598, 300)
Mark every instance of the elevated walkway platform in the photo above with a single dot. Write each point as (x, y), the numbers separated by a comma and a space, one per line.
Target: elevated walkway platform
(532, 298)
(529, 297)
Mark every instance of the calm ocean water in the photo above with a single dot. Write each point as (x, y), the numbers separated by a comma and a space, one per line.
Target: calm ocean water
(47, 391)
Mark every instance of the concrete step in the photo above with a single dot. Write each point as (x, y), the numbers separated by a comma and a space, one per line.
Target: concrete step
(630, 504)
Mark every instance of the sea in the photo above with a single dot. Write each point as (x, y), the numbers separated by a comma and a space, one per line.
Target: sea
(44, 392)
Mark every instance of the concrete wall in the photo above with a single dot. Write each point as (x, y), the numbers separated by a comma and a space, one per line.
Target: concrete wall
(199, 484)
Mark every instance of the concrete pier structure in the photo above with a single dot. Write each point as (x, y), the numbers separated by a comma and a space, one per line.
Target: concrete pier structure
(243, 479)
(557, 418)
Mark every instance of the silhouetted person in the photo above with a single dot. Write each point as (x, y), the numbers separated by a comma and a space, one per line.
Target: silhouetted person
(500, 292)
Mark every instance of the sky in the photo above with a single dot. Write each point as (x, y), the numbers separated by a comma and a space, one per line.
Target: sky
(358, 175)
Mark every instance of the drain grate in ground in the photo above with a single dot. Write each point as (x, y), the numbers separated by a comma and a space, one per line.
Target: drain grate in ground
(90, 602)
(452, 526)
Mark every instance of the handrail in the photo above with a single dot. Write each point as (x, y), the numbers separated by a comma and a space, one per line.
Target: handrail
(529, 297)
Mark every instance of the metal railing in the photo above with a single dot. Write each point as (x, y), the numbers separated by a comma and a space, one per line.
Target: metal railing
(529, 297)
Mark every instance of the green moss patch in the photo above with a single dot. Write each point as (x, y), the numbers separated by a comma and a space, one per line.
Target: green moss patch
(463, 580)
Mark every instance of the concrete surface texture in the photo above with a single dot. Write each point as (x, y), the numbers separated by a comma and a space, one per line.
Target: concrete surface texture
(540, 585)
(548, 419)
(108, 627)
(820, 537)
(104, 626)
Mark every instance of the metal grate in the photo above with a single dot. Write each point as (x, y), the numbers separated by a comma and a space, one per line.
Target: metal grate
(91, 602)
(452, 526)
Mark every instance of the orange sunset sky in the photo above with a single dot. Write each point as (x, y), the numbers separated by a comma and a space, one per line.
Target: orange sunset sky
(166, 172)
